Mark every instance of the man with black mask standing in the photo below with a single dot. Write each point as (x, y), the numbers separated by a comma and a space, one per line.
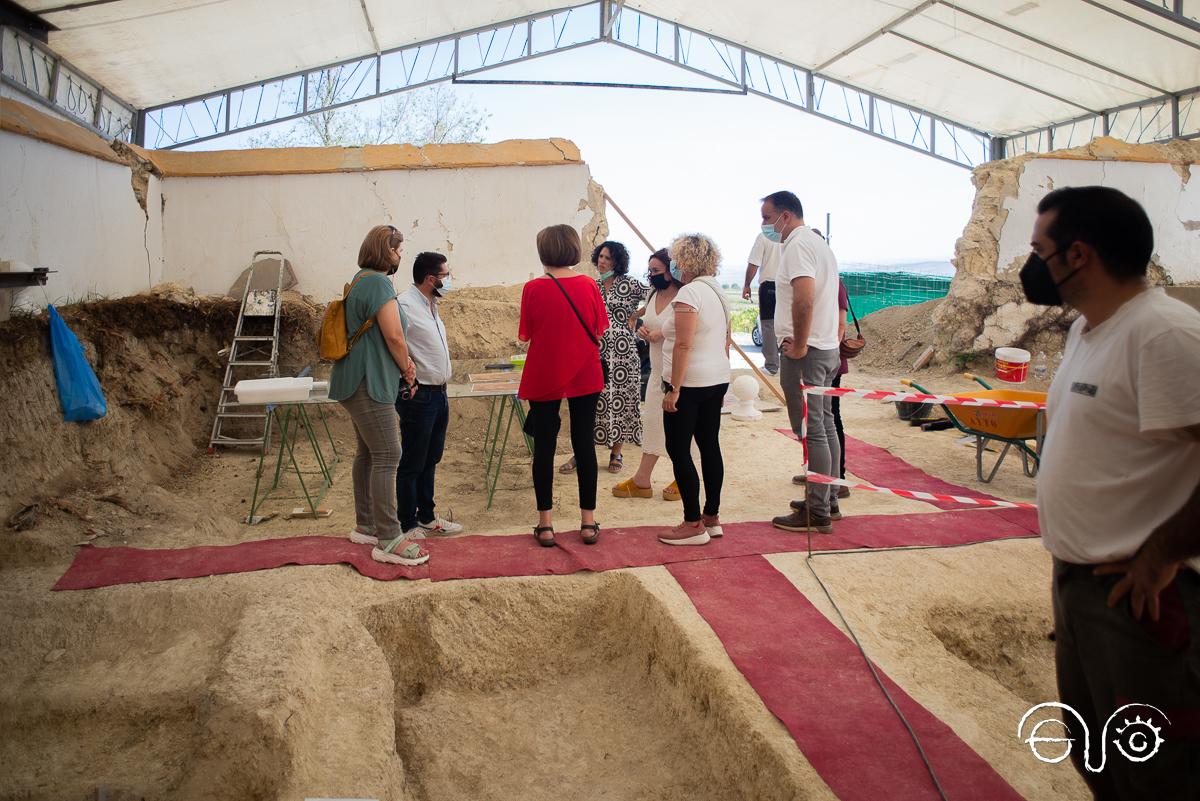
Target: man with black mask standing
(1119, 492)
(424, 408)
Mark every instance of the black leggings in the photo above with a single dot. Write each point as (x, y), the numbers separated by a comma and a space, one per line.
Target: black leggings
(543, 424)
(836, 406)
(698, 417)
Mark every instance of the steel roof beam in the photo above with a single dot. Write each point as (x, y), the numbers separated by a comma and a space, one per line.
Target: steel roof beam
(1174, 14)
(1062, 52)
(866, 40)
(992, 72)
(1142, 24)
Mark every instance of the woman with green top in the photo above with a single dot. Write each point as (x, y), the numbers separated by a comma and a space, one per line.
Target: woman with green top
(366, 382)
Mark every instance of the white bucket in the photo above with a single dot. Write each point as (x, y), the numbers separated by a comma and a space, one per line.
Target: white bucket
(273, 390)
(1012, 365)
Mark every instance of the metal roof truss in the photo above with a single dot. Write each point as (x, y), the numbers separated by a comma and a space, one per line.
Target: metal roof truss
(467, 57)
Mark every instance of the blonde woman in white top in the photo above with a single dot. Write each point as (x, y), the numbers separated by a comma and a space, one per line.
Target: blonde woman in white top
(695, 377)
(654, 443)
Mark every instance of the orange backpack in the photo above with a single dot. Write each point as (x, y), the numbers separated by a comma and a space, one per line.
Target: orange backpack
(332, 341)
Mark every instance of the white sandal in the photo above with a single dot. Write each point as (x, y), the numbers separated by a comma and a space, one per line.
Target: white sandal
(410, 555)
(359, 537)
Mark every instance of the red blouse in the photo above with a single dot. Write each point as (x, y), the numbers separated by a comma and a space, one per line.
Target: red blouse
(563, 362)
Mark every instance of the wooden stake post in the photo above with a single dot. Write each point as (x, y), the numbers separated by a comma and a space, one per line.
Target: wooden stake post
(774, 389)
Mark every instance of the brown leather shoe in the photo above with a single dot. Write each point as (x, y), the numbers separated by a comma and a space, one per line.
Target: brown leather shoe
(834, 512)
(799, 521)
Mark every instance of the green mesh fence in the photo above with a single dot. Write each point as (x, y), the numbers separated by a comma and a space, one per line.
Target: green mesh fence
(872, 291)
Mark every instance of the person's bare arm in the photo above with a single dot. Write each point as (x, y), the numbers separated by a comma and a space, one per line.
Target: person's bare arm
(841, 324)
(1153, 567)
(388, 320)
(803, 288)
(686, 322)
(751, 269)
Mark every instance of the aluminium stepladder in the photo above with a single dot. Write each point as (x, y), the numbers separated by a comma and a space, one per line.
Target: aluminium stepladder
(254, 353)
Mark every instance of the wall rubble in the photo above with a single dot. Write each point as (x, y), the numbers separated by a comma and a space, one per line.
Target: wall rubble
(985, 307)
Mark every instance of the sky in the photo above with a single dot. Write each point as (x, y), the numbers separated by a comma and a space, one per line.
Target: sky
(685, 161)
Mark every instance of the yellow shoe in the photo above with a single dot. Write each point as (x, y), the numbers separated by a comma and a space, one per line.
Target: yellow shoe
(627, 489)
(671, 492)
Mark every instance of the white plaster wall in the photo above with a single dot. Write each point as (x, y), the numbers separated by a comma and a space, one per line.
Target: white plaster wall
(483, 219)
(75, 214)
(1172, 204)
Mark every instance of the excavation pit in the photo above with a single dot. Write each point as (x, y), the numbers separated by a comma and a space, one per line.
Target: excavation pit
(550, 689)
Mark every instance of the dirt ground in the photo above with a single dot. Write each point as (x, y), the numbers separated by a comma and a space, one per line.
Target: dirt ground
(316, 682)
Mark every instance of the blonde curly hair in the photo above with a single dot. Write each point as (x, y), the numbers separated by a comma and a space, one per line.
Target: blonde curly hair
(695, 254)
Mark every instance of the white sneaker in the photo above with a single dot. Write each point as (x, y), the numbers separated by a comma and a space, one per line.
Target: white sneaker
(440, 528)
(363, 538)
(713, 526)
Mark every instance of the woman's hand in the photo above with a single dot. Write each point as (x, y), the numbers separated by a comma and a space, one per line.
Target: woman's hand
(670, 400)
(650, 334)
(410, 372)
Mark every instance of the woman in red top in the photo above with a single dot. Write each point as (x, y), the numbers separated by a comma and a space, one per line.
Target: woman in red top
(563, 362)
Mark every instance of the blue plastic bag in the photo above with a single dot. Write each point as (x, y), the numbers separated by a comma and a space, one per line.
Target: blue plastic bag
(78, 388)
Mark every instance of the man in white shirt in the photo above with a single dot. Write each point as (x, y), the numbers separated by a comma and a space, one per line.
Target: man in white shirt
(424, 409)
(1119, 491)
(764, 260)
(806, 324)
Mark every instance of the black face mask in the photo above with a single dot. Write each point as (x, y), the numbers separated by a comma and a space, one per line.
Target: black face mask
(660, 280)
(1037, 282)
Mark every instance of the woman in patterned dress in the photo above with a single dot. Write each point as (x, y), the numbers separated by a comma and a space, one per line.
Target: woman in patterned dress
(618, 415)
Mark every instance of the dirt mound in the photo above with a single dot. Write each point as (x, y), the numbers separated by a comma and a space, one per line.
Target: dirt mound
(156, 355)
(896, 336)
(482, 321)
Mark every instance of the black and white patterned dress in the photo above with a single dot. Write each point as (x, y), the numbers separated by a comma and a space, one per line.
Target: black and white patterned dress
(618, 417)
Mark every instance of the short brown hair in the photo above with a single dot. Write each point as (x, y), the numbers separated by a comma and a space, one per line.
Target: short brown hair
(558, 246)
(375, 251)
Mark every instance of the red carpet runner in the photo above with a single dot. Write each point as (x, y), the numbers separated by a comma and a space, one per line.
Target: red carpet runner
(490, 557)
(812, 677)
(878, 466)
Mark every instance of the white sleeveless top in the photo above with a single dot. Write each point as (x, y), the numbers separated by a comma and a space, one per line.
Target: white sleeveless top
(654, 321)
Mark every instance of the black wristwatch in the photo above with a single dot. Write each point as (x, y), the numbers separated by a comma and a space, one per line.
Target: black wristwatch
(666, 387)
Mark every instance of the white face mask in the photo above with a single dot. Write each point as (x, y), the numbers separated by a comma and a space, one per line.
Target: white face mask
(443, 285)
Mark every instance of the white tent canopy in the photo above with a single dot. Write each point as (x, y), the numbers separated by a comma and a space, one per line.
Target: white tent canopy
(999, 68)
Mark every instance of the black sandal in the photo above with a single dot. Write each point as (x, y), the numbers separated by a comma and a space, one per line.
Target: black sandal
(545, 543)
(594, 537)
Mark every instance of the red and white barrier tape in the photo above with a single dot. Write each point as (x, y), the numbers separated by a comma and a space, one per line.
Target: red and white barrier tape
(817, 478)
(923, 397)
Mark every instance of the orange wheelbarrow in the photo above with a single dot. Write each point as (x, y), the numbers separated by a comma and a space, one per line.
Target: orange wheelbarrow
(1013, 427)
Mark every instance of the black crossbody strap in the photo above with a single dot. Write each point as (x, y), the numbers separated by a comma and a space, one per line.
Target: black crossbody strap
(853, 317)
(578, 316)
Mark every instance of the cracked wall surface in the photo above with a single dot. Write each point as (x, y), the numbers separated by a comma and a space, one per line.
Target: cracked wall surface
(116, 219)
(986, 309)
(484, 219)
(75, 214)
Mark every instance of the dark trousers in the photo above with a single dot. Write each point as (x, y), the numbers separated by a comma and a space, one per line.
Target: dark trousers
(423, 421)
(835, 405)
(698, 417)
(543, 424)
(766, 300)
(1105, 658)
